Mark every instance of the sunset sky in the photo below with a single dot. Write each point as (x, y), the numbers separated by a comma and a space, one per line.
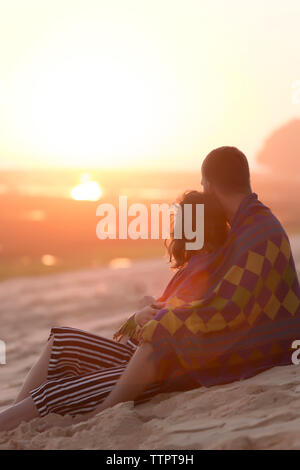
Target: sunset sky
(157, 83)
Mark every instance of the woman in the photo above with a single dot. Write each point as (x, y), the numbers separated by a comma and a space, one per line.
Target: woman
(80, 373)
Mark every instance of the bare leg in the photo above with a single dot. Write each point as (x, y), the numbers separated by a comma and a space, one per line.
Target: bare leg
(138, 375)
(13, 416)
(38, 374)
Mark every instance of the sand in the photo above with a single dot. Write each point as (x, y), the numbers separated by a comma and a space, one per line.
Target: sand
(258, 413)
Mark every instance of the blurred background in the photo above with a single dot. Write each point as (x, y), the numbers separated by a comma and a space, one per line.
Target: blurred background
(102, 98)
(106, 98)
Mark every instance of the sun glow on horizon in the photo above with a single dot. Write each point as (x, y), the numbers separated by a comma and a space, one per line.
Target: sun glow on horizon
(87, 190)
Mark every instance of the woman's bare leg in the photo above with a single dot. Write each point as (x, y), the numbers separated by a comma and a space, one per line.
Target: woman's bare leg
(38, 374)
(13, 416)
(138, 375)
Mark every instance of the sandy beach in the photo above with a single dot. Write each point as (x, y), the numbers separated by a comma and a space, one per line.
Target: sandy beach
(259, 413)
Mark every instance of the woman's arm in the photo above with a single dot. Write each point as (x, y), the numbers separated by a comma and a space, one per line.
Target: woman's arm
(127, 328)
(136, 320)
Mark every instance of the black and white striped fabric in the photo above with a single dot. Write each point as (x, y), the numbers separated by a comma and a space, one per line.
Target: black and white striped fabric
(83, 369)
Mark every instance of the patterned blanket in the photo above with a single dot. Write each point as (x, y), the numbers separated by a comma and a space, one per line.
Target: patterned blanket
(232, 314)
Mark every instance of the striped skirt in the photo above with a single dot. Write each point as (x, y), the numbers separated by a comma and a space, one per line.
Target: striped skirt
(83, 369)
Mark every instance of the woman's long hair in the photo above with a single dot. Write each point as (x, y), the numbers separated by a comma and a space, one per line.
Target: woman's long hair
(215, 228)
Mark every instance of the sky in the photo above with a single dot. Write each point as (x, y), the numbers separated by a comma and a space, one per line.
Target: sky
(143, 83)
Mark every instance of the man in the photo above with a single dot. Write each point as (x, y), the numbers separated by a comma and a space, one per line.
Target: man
(225, 173)
(246, 321)
(251, 313)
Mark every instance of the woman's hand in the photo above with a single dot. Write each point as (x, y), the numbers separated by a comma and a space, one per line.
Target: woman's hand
(146, 300)
(147, 313)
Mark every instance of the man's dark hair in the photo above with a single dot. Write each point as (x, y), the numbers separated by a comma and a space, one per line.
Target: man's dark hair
(227, 168)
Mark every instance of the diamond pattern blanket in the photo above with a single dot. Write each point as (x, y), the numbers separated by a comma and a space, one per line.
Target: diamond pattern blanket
(232, 314)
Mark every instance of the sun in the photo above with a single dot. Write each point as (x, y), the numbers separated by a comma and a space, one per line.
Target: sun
(87, 190)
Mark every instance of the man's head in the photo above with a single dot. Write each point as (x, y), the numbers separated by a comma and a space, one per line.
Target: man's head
(225, 172)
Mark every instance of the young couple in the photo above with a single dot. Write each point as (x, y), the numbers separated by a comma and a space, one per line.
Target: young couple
(231, 310)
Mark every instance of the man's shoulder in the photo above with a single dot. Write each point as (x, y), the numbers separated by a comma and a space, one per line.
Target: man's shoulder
(258, 226)
(262, 215)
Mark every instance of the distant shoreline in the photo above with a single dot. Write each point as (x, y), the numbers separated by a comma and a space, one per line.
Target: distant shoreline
(157, 253)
